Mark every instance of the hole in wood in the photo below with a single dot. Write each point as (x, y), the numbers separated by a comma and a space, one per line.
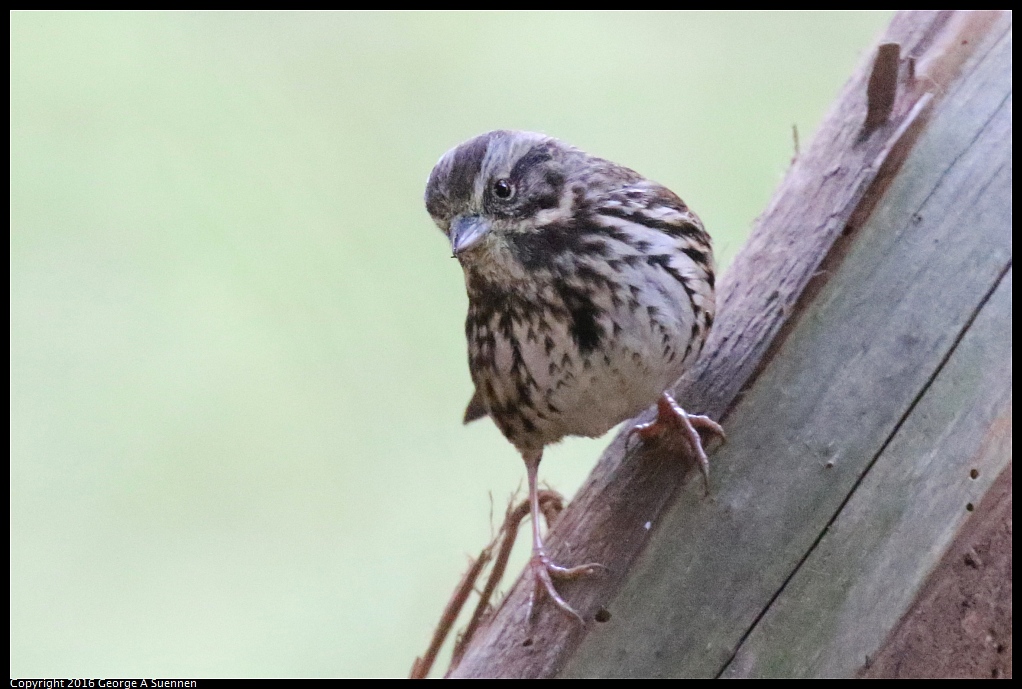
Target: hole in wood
(969, 507)
(602, 615)
(974, 474)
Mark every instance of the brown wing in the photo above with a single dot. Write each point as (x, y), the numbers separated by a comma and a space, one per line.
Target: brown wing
(475, 409)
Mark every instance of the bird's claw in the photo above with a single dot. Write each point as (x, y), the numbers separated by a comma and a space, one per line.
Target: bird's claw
(544, 571)
(670, 413)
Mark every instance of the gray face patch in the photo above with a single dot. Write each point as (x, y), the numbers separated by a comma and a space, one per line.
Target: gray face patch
(458, 183)
(504, 151)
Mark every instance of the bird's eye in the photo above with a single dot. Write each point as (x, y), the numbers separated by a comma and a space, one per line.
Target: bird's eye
(503, 189)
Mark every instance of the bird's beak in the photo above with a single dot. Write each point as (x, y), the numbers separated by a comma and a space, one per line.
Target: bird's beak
(467, 231)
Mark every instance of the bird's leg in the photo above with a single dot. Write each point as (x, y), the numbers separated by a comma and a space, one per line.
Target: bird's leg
(669, 413)
(544, 571)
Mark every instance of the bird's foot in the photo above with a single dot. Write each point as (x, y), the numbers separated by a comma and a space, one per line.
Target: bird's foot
(671, 415)
(544, 571)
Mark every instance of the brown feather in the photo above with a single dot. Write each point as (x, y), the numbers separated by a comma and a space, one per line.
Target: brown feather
(475, 409)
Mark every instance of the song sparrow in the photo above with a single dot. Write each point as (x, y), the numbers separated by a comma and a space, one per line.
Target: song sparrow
(590, 291)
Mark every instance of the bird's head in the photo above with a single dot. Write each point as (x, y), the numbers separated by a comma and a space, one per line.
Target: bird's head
(493, 192)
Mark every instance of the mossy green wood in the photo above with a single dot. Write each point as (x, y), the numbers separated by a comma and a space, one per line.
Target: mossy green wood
(852, 402)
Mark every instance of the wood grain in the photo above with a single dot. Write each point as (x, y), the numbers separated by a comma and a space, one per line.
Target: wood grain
(960, 624)
(936, 251)
(876, 554)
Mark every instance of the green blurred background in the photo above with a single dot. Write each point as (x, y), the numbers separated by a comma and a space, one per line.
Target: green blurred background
(237, 359)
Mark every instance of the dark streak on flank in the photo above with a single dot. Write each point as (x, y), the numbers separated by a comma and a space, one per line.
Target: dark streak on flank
(664, 261)
(698, 257)
(684, 229)
(585, 329)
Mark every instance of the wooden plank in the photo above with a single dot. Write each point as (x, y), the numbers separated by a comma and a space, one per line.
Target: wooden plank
(960, 624)
(804, 434)
(863, 575)
(826, 196)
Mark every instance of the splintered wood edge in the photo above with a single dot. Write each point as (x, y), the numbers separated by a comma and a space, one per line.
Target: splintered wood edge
(826, 195)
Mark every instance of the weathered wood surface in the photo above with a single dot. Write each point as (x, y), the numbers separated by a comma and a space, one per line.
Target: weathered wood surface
(933, 254)
(874, 556)
(960, 624)
(806, 421)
